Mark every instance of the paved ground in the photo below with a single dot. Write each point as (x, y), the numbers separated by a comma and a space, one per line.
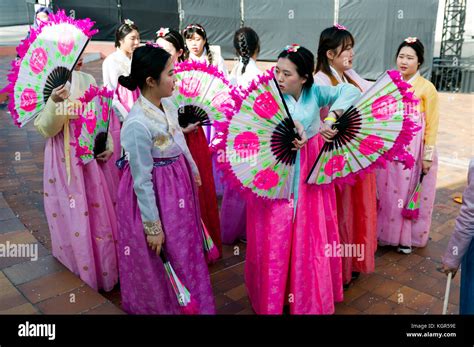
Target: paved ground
(400, 285)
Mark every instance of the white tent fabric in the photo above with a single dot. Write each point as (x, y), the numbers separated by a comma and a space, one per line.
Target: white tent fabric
(379, 26)
(279, 23)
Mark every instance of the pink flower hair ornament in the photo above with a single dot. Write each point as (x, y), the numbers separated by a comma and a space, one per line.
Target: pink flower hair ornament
(339, 26)
(293, 48)
(163, 32)
(411, 39)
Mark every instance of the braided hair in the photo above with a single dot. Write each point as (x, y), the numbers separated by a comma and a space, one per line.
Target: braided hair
(188, 33)
(246, 44)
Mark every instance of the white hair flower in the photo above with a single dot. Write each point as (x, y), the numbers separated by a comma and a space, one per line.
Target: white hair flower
(128, 22)
(411, 39)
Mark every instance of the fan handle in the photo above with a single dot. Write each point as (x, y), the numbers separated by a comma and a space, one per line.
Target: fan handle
(323, 149)
(287, 110)
(75, 63)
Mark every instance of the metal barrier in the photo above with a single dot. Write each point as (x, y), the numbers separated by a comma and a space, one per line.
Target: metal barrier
(453, 75)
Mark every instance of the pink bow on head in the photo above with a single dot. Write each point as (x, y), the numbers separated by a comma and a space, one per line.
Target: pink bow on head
(292, 48)
(163, 32)
(153, 44)
(411, 39)
(340, 27)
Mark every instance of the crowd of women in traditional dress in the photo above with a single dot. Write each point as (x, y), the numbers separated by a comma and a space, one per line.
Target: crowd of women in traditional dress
(168, 187)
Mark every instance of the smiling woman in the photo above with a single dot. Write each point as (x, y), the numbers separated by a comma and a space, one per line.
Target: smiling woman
(127, 39)
(199, 136)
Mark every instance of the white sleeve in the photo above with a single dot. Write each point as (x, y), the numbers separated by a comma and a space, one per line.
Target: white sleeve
(221, 65)
(110, 76)
(137, 141)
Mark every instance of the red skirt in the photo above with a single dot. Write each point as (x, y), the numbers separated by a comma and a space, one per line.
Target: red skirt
(357, 219)
(199, 149)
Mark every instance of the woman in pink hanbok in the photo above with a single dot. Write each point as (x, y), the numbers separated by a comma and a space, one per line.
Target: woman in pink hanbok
(290, 258)
(395, 185)
(77, 201)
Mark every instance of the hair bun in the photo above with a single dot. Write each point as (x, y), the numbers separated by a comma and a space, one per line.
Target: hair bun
(128, 82)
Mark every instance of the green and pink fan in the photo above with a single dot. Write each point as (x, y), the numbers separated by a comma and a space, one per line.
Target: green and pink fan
(412, 208)
(377, 128)
(186, 302)
(92, 126)
(47, 58)
(210, 249)
(203, 95)
(258, 144)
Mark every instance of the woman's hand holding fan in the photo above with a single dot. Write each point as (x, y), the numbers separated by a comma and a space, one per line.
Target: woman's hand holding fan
(191, 127)
(47, 58)
(203, 96)
(61, 93)
(262, 141)
(303, 140)
(155, 242)
(426, 166)
(375, 129)
(327, 131)
(105, 155)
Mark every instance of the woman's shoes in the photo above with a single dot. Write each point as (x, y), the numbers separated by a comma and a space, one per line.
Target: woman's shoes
(355, 276)
(404, 249)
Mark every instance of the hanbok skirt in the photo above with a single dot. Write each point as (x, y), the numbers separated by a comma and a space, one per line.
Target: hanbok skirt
(199, 149)
(145, 287)
(290, 258)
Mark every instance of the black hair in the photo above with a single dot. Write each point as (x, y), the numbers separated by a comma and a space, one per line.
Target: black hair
(188, 33)
(123, 30)
(175, 38)
(304, 61)
(147, 61)
(417, 47)
(246, 44)
(42, 9)
(329, 40)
